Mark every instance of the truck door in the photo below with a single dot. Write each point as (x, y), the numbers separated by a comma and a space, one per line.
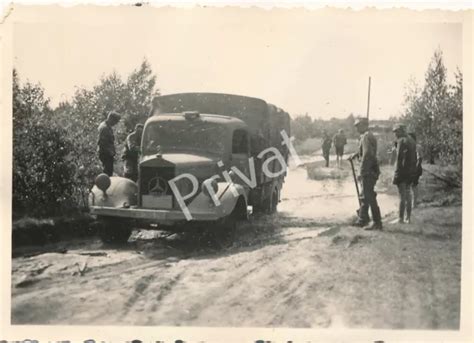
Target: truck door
(241, 152)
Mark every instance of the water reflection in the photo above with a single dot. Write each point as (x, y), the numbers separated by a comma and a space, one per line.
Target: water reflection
(333, 199)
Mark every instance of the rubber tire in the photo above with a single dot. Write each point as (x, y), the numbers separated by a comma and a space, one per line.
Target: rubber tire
(271, 203)
(114, 230)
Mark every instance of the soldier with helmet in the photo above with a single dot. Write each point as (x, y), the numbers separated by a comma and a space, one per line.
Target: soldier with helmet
(368, 176)
(106, 142)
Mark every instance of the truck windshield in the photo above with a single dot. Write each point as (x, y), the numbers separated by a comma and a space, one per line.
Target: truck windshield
(168, 136)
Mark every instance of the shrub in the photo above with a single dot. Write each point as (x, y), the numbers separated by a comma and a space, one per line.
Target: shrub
(42, 170)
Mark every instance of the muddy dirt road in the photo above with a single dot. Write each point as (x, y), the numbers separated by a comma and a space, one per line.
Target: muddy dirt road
(304, 267)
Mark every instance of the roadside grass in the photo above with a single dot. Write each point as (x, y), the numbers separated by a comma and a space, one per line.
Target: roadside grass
(33, 231)
(432, 191)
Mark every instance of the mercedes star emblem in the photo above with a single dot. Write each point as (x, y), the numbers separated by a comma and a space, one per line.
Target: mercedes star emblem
(158, 186)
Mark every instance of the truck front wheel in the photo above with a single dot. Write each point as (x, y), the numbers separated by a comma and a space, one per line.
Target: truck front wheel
(271, 202)
(114, 230)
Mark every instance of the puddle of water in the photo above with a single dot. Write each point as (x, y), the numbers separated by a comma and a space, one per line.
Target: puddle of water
(329, 199)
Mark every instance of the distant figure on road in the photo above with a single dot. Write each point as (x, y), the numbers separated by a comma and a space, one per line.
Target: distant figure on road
(106, 142)
(369, 173)
(418, 171)
(132, 152)
(339, 142)
(405, 170)
(326, 146)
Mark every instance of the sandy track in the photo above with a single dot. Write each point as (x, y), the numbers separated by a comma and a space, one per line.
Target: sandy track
(304, 267)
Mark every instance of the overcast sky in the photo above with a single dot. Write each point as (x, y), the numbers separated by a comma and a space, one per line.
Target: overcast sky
(298, 62)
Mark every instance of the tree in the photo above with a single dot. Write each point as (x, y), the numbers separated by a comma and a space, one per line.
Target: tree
(42, 168)
(426, 107)
(88, 107)
(139, 90)
(301, 127)
(434, 113)
(450, 131)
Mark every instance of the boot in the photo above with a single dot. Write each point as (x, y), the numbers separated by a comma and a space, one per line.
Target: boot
(401, 214)
(374, 226)
(408, 213)
(376, 216)
(362, 217)
(360, 223)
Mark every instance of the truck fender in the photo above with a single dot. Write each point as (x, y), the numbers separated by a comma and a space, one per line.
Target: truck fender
(227, 201)
(122, 192)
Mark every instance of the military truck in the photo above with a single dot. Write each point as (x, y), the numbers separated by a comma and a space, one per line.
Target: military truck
(207, 160)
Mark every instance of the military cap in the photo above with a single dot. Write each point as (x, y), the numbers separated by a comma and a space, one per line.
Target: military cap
(362, 121)
(113, 115)
(399, 127)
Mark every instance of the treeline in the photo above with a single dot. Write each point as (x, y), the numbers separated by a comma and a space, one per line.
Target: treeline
(434, 112)
(54, 149)
(304, 127)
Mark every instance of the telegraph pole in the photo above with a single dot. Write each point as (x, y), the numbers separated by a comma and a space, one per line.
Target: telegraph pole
(368, 101)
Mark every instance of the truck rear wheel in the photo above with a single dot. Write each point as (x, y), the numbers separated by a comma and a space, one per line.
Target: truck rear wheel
(114, 230)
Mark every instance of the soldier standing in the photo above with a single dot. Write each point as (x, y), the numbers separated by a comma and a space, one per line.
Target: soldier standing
(339, 142)
(405, 170)
(326, 146)
(106, 142)
(368, 175)
(418, 171)
(132, 152)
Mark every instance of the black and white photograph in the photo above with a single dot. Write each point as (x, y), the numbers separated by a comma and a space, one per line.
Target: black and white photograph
(236, 167)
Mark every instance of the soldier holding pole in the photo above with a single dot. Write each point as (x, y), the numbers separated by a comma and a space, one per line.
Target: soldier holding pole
(368, 175)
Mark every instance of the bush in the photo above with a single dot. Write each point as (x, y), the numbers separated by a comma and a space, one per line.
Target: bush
(55, 150)
(42, 170)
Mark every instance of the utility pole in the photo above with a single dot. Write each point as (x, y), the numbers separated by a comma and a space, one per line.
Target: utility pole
(368, 101)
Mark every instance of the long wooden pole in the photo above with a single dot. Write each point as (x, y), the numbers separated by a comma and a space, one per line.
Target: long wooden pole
(368, 100)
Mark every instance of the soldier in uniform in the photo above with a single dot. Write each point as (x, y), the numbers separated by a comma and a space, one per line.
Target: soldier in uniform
(418, 171)
(106, 142)
(368, 175)
(339, 142)
(326, 146)
(405, 171)
(132, 152)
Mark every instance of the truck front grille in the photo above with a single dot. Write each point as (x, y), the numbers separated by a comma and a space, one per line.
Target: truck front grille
(152, 180)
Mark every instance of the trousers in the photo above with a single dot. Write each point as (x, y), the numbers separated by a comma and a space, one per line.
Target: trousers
(131, 168)
(107, 163)
(405, 204)
(369, 200)
(326, 156)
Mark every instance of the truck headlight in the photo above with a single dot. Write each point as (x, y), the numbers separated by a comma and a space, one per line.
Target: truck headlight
(102, 181)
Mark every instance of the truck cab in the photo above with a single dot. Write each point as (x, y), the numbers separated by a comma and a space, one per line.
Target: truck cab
(186, 173)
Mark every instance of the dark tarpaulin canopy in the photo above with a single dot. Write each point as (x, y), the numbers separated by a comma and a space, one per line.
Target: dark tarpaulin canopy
(263, 119)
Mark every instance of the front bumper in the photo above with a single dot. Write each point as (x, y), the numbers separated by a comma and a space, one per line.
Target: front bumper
(158, 216)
